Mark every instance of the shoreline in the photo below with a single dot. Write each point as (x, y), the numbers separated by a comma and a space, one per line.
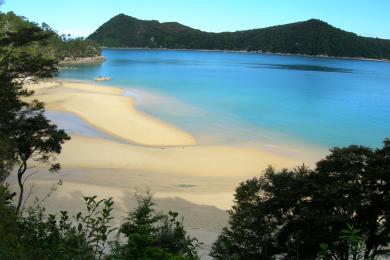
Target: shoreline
(278, 144)
(252, 52)
(198, 181)
(162, 156)
(146, 144)
(84, 60)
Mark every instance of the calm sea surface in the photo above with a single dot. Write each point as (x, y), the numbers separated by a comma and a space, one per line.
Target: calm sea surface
(248, 98)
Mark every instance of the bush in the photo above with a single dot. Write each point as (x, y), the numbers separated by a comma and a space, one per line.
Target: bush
(291, 213)
(150, 235)
(38, 235)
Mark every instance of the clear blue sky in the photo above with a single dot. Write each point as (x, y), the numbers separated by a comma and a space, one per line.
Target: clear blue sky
(82, 17)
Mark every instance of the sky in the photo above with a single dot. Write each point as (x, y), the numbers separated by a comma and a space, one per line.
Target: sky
(82, 17)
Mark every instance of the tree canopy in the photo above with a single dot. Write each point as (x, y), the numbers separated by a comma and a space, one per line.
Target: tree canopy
(151, 235)
(58, 46)
(25, 56)
(291, 213)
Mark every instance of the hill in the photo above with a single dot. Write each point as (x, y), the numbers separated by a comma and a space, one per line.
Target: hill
(62, 47)
(312, 37)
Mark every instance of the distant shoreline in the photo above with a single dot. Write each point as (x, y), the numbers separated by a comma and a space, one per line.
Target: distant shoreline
(251, 52)
(83, 60)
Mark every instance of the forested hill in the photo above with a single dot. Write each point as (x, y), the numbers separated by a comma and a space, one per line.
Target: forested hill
(61, 47)
(312, 37)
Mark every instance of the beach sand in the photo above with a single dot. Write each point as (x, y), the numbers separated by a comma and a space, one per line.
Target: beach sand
(196, 180)
(105, 109)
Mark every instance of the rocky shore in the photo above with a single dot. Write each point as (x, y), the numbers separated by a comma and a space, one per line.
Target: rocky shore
(86, 60)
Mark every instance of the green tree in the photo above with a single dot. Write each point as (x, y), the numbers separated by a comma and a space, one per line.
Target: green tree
(95, 224)
(23, 126)
(52, 236)
(59, 236)
(35, 139)
(153, 236)
(6, 159)
(10, 246)
(351, 237)
(291, 213)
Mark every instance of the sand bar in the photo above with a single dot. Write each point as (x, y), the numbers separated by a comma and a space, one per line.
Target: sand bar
(105, 109)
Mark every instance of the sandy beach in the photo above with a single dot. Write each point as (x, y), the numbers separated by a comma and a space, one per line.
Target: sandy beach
(105, 109)
(145, 153)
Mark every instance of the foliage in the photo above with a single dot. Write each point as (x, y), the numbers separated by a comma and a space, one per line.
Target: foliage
(52, 236)
(60, 237)
(95, 224)
(312, 37)
(291, 213)
(57, 46)
(153, 236)
(6, 159)
(354, 242)
(29, 136)
(10, 247)
(76, 48)
(35, 139)
(27, 53)
(66, 47)
(38, 235)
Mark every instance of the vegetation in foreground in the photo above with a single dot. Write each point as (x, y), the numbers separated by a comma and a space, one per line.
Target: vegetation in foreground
(339, 210)
(145, 234)
(312, 37)
(297, 214)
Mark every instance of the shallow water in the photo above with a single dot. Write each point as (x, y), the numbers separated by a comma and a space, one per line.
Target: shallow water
(72, 124)
(254, 98)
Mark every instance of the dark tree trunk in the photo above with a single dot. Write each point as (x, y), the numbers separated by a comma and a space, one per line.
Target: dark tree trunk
(21, 171)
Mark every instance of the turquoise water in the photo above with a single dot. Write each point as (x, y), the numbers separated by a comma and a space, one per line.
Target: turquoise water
(245, 98)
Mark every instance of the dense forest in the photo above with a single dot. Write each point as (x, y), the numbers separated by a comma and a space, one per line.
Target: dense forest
(312, 37)
(61, 47)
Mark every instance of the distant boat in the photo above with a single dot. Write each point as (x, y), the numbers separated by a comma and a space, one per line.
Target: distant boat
(102, 78)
